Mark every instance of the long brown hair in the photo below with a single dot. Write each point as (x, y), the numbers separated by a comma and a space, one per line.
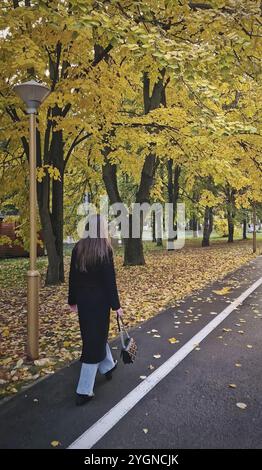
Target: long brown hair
(93, 249)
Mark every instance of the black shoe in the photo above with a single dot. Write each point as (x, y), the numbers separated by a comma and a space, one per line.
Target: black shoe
(83, 399)
(108, 375)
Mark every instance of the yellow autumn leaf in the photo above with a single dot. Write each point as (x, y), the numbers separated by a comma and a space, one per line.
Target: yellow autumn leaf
(55, 443)
(173, 340)
(223, 291)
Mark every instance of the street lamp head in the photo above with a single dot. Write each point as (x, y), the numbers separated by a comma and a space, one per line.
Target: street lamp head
(32, 93)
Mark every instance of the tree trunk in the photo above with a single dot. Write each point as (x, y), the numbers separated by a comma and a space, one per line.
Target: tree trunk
(153, 225)
(231, 226)
(133, 247)
(170, 191)
(55, 271)
(51, 209)
(208, 226)
(57, 216)
(157, 234)
(245, 228)
(48, 234)
(173, 195)
(211, 220)
(156, 239)
(195, 226)
(134, 254)
(230, 194)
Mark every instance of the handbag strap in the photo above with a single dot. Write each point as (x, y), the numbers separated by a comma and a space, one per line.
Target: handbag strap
(122, 330)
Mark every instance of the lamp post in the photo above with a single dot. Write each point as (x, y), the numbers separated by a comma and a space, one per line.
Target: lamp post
(33, 94)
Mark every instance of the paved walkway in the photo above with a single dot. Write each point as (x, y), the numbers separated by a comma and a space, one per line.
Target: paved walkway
(193, 406)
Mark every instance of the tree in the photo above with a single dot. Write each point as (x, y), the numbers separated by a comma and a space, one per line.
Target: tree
(47, 40)
(135, 85)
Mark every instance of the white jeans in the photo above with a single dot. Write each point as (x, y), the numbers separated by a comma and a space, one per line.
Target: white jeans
(88, 373)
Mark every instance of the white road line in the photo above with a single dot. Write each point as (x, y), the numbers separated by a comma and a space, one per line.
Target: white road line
(92, 435)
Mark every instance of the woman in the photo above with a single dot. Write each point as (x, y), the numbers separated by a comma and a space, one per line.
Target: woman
(92, 292)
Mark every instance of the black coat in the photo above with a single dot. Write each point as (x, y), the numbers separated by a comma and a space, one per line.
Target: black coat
(94, 292)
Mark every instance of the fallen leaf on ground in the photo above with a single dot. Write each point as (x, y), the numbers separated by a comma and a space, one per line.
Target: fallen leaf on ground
(242, 406)
(55, 443)
(45, 361)
(173, 340)
(223, 291)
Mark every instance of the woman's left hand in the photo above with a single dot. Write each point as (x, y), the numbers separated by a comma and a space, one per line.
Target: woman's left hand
(119, 312)
(73, 308)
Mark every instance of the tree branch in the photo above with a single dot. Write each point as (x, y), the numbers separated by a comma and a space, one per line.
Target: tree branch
(77, 140)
